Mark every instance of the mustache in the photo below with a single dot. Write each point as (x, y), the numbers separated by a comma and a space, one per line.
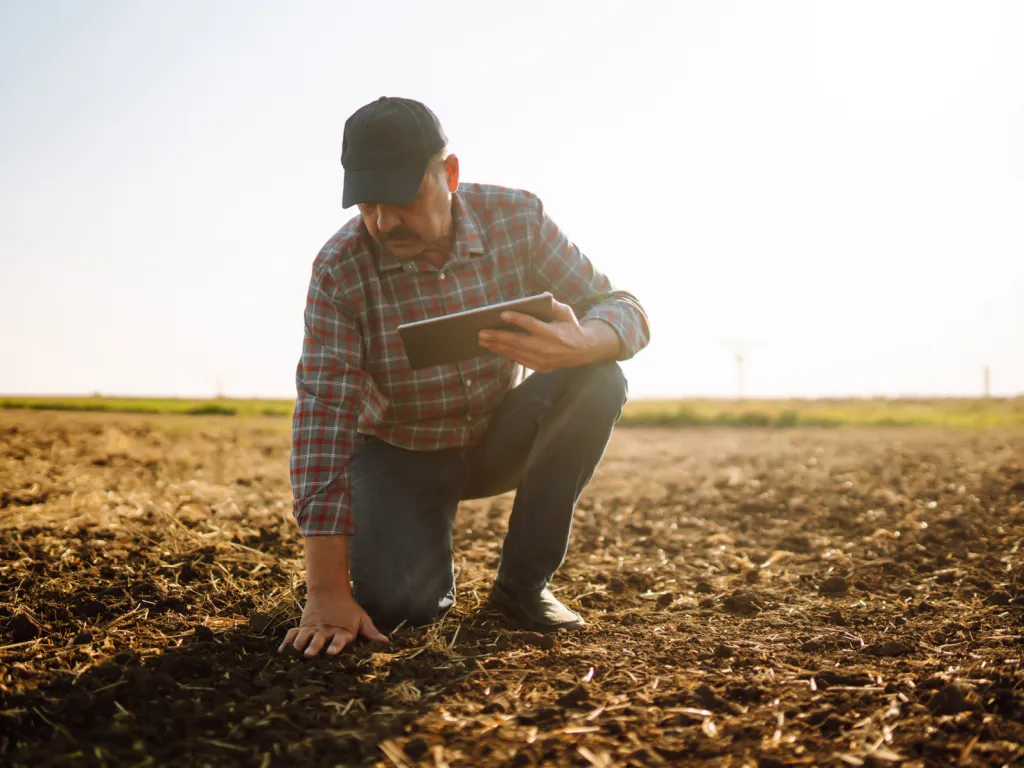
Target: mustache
(398, 233)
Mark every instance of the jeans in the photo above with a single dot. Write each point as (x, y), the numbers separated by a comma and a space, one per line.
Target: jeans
(545, 441)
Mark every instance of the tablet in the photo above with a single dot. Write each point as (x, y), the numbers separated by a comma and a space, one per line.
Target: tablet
(452, 338)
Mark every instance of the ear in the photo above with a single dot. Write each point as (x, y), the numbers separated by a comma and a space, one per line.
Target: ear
(451, 172)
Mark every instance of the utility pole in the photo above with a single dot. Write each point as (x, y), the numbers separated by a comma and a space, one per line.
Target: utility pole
(988, 381)
(739, 349)
(738, 354)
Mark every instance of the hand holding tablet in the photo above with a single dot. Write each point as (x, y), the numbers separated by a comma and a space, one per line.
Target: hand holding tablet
(453, 338)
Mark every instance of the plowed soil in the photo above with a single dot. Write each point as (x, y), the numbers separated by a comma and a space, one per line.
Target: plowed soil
(754, 598)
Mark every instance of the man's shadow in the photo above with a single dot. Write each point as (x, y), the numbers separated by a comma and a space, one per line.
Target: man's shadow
(229, 698)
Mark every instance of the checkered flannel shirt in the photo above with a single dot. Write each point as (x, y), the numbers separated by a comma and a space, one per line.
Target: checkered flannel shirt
(353, 376)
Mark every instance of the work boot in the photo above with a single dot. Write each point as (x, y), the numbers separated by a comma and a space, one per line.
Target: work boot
(537, 610)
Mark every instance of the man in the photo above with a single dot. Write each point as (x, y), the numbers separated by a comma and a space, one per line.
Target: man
(382, 453)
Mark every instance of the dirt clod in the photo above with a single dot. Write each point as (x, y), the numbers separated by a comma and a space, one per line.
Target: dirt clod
(21, 629)
(536, 639)
(853, 678)
(890, 648)
(949, 700)
(574, 698)
(834, 585)
(260, 622)
(998, 598)
(416, 747)
(538, 715)
(743, 603)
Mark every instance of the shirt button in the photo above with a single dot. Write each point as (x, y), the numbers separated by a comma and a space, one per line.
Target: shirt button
(469, 382)
(469, 418)
(441, 275)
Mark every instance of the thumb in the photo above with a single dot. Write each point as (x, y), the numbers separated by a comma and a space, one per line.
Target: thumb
(367, 630)
(563, 311)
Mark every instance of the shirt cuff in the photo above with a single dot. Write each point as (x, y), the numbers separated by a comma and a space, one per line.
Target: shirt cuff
(623, 322)
(326, 514)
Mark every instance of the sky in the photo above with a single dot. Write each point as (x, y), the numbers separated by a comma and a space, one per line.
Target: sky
(838, 187)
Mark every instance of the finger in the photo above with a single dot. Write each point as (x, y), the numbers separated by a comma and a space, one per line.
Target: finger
(370, 632)
(288, 638)
(341, 639)
(318, 642)
(303, 637)
(518, 341)
(506, 337)
(517, 345)
(528, 323)
(506, 348)
(531, 361)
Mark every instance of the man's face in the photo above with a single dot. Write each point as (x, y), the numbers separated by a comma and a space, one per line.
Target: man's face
(422, 225)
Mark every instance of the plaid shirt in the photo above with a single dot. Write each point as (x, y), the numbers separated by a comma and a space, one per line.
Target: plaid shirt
(353, 376)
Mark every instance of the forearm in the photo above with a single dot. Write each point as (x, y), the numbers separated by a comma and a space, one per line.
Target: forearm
(331, 388)
(327, 565)
(605, 343)
(559, 266)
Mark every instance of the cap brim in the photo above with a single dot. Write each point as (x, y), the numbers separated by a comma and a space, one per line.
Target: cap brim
(390, 186)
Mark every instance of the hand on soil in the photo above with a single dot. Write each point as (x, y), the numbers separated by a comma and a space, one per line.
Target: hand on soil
(330, 621)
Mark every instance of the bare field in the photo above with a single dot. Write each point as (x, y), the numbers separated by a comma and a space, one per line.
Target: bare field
(754, 597)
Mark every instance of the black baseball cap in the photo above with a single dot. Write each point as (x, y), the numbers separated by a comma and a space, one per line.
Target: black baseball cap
(385, 150)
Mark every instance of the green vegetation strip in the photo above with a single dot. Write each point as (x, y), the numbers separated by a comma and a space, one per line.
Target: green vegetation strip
(880, 412)
(218, 407)
(867, 412)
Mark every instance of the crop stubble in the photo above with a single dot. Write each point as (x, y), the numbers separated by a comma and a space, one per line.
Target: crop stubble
(755, 598)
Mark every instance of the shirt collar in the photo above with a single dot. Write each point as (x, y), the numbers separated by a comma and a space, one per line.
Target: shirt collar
(468, 240)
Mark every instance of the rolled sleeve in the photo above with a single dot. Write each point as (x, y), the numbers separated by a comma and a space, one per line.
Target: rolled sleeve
(616, 312)
(329, 381)
(560, 267)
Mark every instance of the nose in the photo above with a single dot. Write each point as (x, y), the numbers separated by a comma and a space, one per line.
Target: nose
(387, 218)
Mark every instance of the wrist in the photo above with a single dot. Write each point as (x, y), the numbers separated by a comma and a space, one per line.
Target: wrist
(329, 596)
(339, 586)
(327, 574)
(602, 341)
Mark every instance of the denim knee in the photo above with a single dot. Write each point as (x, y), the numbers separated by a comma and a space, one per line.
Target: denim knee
(389, 609)
(605, 384)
